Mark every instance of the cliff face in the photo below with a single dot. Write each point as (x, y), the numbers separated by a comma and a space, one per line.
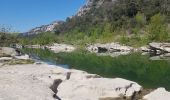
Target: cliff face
(43, 28)
(91, 4)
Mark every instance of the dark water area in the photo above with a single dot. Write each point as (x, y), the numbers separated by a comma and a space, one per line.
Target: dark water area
(134, 67)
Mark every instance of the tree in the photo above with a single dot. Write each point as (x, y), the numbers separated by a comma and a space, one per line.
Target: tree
(140, 19)
(158, 28)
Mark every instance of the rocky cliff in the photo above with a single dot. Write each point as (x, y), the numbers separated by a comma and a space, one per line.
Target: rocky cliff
(43, 28)
(91, 4)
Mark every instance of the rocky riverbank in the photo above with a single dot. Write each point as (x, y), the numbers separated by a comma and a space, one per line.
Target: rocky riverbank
(40, 81)
(55, 47)
(32, 82)
(158, 51)
(112, 49)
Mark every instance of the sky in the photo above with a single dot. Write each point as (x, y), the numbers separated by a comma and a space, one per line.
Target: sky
(23, 15)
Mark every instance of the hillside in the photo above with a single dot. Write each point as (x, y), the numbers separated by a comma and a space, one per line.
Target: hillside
(125, 21)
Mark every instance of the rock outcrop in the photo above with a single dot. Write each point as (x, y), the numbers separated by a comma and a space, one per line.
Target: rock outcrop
(160, 47)
(96, 88)
(7, 51)
(33, 82)
(158, 94)
(43, 28)
(91, 4)
(61, 48)
(112, 49)
(109, 47)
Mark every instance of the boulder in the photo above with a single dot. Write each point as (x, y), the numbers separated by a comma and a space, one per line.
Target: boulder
(163, 47)
(84, 86)
(8, 51)
(158, 94)
(96, 88)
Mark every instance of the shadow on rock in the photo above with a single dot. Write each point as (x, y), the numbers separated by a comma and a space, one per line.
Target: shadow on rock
(54, 88)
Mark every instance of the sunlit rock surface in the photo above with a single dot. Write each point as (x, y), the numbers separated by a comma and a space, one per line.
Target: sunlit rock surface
(158, 94)
(163, 47)
(32, 82)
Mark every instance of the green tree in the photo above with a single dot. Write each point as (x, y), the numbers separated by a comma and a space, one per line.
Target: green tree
(158, 28)
(140, 19)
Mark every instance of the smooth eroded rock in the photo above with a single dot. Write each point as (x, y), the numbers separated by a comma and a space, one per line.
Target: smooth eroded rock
(158, 94)
(96, 88)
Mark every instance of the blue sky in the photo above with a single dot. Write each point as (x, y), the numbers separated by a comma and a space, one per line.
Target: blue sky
(23, 15)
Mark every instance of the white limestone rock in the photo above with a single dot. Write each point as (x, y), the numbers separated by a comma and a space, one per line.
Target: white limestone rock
(23, 57)
(160, 46)
(8, 51)
(96, 88)
(32, 82)
(109, 47)
(158, 94)
(61, 48)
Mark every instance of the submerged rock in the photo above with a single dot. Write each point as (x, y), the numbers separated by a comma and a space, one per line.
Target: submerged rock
(158, 94)
(165, 56)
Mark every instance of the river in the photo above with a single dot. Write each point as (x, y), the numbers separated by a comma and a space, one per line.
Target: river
(134, 67)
